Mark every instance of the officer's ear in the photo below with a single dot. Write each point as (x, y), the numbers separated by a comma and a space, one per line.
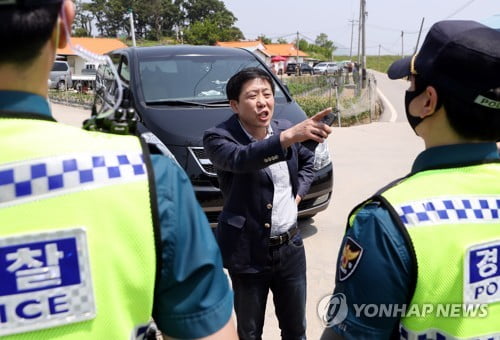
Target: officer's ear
(64, 23)
(430, 102)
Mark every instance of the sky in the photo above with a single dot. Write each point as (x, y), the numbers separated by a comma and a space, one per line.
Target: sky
(392, 26)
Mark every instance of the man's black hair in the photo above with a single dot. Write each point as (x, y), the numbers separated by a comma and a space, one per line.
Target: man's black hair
(24, 30)
(235, 83)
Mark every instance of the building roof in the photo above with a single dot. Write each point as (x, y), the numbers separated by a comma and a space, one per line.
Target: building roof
(243, 44)
(96, 45)
(250, 45)
(285, 50)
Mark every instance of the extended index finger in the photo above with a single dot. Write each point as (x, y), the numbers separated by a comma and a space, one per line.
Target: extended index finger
(319, 116)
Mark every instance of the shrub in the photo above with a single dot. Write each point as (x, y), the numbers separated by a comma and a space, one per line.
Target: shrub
(313, 104)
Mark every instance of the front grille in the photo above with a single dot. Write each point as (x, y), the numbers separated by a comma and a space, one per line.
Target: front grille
(202, 160)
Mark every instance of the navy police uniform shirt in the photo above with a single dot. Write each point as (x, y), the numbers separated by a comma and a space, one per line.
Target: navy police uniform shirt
(185, 233)
(374, 265)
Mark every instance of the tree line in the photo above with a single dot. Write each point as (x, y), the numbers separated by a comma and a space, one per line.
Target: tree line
(197, 22)
(193, 21)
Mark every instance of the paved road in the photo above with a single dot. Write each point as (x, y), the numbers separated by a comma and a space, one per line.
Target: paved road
(391, 92)
(69, 115)
(365, 157)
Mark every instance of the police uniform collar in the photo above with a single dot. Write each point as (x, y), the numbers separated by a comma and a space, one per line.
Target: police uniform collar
(455, 155)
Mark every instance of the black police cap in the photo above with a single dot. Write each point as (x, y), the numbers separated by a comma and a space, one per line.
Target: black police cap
(29, 3)
(460, 58)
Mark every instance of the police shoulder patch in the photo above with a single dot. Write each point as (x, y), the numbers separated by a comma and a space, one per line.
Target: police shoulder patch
(351, 254)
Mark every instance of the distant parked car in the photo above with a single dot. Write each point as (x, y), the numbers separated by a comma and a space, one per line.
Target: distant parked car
(304, 68)
(60, 76)
(347, 65)
(326, 68)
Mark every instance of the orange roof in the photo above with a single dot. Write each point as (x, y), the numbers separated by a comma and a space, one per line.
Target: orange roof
(243, 44)
(285, 50)
(96, 45)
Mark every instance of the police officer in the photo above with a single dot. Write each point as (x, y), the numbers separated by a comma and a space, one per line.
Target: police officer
(90, 246)
(421, 258)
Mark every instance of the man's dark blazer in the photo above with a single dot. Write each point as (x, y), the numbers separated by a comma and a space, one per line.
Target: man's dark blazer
(243, 228)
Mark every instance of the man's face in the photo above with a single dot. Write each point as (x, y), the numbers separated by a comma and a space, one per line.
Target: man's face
(255, 105)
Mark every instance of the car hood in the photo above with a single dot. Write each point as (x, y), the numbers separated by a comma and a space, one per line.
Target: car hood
(185, 126)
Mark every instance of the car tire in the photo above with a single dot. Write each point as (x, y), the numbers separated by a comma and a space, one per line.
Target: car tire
(61, 85)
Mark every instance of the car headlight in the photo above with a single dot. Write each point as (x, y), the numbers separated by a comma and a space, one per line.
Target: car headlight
(150, 138)
(321, 156)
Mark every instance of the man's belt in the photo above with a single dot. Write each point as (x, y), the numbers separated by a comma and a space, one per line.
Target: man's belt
(283, 238)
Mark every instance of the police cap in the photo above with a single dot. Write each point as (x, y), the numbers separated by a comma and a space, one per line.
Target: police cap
(29, 3)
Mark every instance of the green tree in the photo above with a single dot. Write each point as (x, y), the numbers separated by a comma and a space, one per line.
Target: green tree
(83, 19)
(200, 10)
(282, 41)
(322, 40)
(303, 45)
(209, 21)
(209, 31)
(264, 39)
(326, 46)
(154, 19)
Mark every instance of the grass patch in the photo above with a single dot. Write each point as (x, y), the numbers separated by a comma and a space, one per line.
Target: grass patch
(72, 98)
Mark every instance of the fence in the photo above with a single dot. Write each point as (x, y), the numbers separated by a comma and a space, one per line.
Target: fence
(344, 91)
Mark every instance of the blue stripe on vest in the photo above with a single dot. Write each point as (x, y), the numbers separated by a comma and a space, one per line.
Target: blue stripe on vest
(450, 210)
(33, 178)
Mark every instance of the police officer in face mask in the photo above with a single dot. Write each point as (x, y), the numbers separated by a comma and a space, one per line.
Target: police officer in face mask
(424, 252)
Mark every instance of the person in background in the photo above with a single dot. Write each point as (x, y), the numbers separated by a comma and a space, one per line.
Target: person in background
(96, 236)
(431, 240)
(264, 171)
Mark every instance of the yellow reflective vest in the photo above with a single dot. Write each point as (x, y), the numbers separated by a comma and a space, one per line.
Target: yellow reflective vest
(452, 219)
(77, 243)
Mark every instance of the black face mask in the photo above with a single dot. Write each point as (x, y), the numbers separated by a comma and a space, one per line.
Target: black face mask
(414, 121)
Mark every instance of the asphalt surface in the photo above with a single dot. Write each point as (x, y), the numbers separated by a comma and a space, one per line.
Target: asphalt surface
(365, 158)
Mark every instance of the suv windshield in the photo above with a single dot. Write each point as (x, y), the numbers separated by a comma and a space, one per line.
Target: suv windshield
(191, 77)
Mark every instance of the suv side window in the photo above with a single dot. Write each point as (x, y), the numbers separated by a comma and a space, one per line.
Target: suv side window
(124, 71)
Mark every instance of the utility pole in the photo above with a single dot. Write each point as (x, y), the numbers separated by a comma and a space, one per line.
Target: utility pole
(297, 47)
(402, 45)
(378, 63)
(352, 35)
(360, 30)
(132, 29)
(297, 65)
(363, 63)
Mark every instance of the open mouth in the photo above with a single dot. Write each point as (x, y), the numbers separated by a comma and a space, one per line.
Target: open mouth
(263, 115)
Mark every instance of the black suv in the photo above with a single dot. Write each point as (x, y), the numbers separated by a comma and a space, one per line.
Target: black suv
(304, 68)
(180, 91)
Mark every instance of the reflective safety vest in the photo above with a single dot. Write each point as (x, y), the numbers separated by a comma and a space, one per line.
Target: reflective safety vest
(77, 243)
(452, 219)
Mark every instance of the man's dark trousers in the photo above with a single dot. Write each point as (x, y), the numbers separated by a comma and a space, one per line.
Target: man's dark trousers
(285, 275)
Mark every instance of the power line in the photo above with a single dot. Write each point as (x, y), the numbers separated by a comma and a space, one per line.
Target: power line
(460, 9)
